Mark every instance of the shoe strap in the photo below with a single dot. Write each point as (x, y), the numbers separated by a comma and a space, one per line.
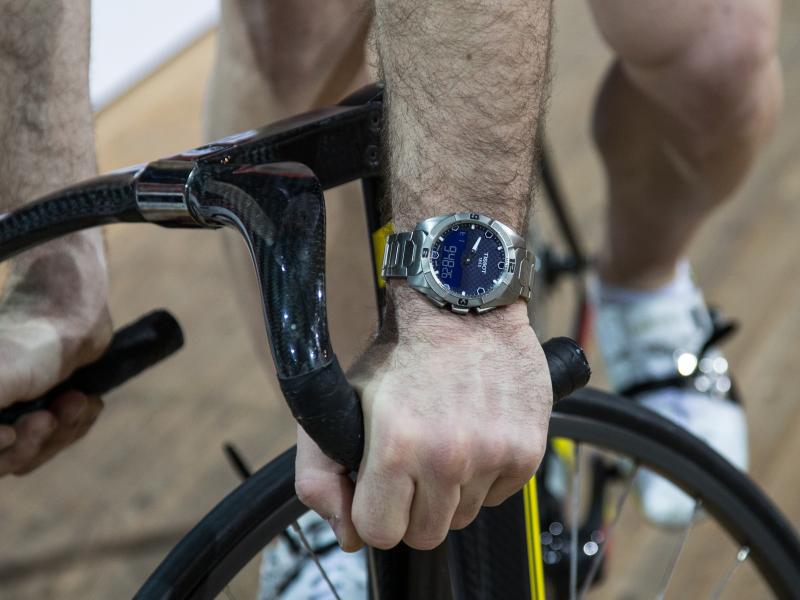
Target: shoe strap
(709, 374)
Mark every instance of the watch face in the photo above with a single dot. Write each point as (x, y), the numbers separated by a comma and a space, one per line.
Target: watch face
(468, 259)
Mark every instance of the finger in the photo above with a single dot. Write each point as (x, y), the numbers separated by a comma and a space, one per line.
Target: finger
(7, 436)
(33, 431)
(382, 504)
(75, 413)
(432, 510)
(77, 423)
(503, 488)
(323, 485)
(472, 498)
(520, 468)
(88, 418)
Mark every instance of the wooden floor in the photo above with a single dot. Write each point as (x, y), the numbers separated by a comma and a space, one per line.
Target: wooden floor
(94, 522)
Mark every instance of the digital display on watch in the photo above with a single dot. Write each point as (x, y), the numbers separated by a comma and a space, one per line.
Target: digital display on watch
(468, 259)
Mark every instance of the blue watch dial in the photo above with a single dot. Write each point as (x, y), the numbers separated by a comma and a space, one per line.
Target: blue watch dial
(468, 259)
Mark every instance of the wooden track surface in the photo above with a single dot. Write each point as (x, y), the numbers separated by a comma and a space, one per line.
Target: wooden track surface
(94, 522)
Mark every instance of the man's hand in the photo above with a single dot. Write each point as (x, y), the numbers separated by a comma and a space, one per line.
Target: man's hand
(53, 319)
(455, 410)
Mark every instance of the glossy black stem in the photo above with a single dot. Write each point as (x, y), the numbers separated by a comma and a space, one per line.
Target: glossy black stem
(280, 211)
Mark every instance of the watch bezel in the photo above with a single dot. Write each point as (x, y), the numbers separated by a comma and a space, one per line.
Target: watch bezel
(502, 233)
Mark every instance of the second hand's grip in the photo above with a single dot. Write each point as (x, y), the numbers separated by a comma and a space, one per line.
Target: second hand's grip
(328, 409)
(134, 348)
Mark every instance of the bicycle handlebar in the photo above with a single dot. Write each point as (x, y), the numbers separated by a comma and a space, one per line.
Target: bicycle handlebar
(268, 185)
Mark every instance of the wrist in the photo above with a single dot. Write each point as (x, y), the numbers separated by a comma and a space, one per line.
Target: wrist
(412, 202)
(413, 315)
(70, 266)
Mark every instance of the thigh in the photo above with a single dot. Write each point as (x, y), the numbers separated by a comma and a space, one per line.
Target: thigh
(278, 59)
(306, 52)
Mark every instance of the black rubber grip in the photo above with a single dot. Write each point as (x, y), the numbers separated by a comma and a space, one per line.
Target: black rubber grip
(134, 348)
(569, 369)
(328, 409)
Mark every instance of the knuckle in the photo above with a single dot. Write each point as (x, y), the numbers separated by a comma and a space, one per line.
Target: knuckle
(494, 453)
(752, 43)
(524, 460)
(448, 457)
(93, 343)
(396, 451)
(310, 490)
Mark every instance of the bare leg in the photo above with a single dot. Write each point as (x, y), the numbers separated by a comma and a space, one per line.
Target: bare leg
(679, 120)
(276, 59)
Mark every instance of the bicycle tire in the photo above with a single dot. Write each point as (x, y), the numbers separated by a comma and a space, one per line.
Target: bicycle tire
(233, 533)
(728, 495)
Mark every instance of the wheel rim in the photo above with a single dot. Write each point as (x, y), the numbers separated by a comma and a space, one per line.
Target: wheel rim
(731, 511)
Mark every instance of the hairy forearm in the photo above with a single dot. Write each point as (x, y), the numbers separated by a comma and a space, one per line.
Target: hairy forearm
(45, 115)
(466, 82)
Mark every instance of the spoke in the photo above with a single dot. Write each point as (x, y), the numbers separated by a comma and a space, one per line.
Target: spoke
(598, 559)
(741, 556)
(373, 574)
(673, 561)
(313, 555)
(575, 501)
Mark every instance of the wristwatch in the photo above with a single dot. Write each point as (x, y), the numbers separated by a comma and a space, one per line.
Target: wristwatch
(464, 261)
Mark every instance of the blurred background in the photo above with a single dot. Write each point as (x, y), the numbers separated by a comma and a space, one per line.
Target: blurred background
(119, 59)
(95, 521)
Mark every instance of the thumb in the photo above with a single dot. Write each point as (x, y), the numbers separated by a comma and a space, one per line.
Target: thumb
(323, 485)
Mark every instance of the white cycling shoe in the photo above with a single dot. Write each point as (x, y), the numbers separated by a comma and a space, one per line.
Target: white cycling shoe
(288, 572)
(658, 350)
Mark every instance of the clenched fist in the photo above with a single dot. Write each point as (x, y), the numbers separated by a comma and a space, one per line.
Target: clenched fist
(53, 319)
(455, 410)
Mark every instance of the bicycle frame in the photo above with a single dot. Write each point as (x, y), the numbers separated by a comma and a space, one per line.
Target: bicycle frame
(268, 184)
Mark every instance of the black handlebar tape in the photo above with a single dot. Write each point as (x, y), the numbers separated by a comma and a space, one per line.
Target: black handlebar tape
(569, 368)
(134, 348)
(328, 409)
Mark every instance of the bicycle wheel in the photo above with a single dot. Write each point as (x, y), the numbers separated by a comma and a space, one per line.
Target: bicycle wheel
(203, 564)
